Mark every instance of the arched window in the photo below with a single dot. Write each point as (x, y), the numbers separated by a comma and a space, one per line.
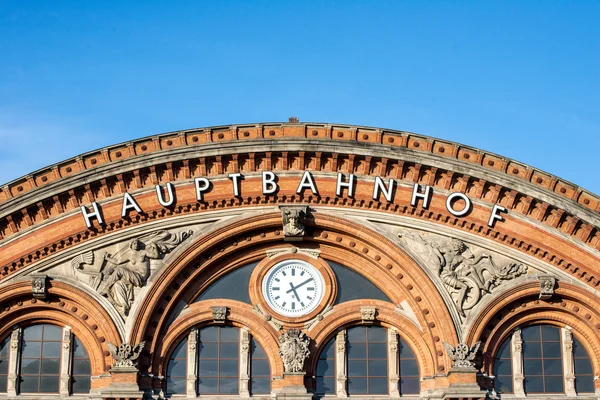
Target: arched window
(409, 370)
(584, 374)
(325, 376)
(367, 360)
(81, 368)
(220, 364)
(4, 364)
(503, 381)
(40, 359)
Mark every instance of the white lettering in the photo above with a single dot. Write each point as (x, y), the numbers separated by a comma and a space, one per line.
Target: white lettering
(495, 216)
(341, 185)
(128, 204)
(201, 189)
(307, 182)
(416, 196)
(87, 216)
(380, 186)
(236, 183)
(269, 186)
(161, 199)
(458, 196)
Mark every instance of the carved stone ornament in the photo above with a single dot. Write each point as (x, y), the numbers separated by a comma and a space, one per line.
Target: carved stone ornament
(465, 273)
(547, 284)
(125, 355)
(293, 350)
(319, 317)
(293, 221)
(219, 314)
(462, 355)
(293, 250)
(38, 286)
(368, 314)
(268, 317)
(116, 276)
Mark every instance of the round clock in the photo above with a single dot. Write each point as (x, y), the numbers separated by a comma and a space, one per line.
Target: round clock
(293, 288)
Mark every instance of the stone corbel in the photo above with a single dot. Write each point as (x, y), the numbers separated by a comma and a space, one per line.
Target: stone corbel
(368, 315)
(38, 286)
(219, 314)
(547, 283)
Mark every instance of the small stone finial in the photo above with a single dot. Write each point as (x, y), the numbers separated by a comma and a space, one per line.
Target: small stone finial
(368, 314)
(219, 314)
(462, 355)
(126, 355)
(38, 286)
(547, 284)
(293, 221)
(293, 350)
(293, 120)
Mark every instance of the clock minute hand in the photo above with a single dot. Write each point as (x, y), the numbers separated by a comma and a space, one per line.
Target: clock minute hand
(293, 289)
(299, 285)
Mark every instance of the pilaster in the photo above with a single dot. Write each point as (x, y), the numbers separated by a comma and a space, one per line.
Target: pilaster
(516, 344)
(14, 361)
(568, 362)
(192, 363)
(65, 361)
(340, 364)
(393, 364)
(244, 363)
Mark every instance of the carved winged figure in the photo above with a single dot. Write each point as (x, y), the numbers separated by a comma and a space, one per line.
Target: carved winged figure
(462, 355)
(126, 355)
(293, 350)
(116, 276)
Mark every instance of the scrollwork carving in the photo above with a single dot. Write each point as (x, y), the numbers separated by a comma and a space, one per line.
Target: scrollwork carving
(293, 350)
(462, 355)
(126, 355)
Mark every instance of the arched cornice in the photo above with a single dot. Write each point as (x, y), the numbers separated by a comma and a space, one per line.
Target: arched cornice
(64, 305)
(340, 240)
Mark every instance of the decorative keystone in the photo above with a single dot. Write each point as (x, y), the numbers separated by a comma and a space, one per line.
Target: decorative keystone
(547, 284)
(293, 217)
(38, 286)
(368, 314)
(219, 314)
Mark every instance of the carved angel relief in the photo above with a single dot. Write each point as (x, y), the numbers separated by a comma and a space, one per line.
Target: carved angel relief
(293, 350)
(465, 275)
(116, 276)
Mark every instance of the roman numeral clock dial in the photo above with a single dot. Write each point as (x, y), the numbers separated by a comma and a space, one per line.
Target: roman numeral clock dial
(293, 288)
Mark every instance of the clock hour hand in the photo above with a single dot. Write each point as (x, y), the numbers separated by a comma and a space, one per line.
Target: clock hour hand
(293, 289)
(299, 285)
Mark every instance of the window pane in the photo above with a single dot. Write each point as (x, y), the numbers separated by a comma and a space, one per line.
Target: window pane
(377, 350)
(32, 349)
(409, 368)
(584, 384)
(3, 383)
(177, 368)
(503, 384)
(228, 386)
(328, 350)
(229, 350)
(29, 384)
(176, 386)
(502, 367)
(376, 334)
(409, 386)
(579, 350)
(208, 368)
(229, 334)
(51, 366)
(51, 349)
(325, 385)
(357, 385)
(356, 334)
(30, 366)
(552, 350)
(532, 367)
(209, 334)
(532, 350)
(49, 384)
(261, 368)
(257, 350)
(261, 386)
(377, 367)
(504, 351)
(358, 350)
(357, 368)
(228, 368)
(378, 385)
(553, 367)
(325, 367)
(78, 349)
(534, 384)
(209, 350)
(208, 385)
(52, 332)
(531, 334)
(32, 333)
(554, 384)
(181, 350)
(583, 366)
(4, 366)
(4, 347)
(550, 333)
(81, 384)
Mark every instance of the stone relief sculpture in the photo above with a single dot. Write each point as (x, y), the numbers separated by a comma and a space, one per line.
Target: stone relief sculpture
(116, 276)
(293, 221)
(462, 355)
(465, 275)
(293, 350)
(126, 355)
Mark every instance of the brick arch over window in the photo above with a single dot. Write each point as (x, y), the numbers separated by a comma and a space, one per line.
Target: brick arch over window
(64, 305)
(520, 307)
(244, 241)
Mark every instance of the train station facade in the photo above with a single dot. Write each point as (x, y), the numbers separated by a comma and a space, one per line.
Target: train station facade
(298, 260)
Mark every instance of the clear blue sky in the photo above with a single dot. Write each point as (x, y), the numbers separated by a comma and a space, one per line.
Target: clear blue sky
(518, 78)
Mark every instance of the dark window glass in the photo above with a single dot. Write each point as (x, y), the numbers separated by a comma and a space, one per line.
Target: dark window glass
(4, 345)
(367, 373)
(82, 369)
(325, 376)
(542, 359)
(260, 370)
(584, 375)
(353, 286)
(233, 285)
(218, 360)
(177, 369)
(409, 370)
(503, 381)
(40, 359)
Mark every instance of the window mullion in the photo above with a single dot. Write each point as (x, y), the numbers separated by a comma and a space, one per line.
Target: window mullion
(244, 363)
(192, 363)
(517, 362)
(65, 361)
(341, 363)
(393, 363)
(568, 364)
(14, 361)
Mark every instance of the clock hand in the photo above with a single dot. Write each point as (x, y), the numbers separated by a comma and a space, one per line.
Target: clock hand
(302, 284)
(293, 289)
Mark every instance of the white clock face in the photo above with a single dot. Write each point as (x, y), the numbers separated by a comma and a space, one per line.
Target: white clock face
(293, 288)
